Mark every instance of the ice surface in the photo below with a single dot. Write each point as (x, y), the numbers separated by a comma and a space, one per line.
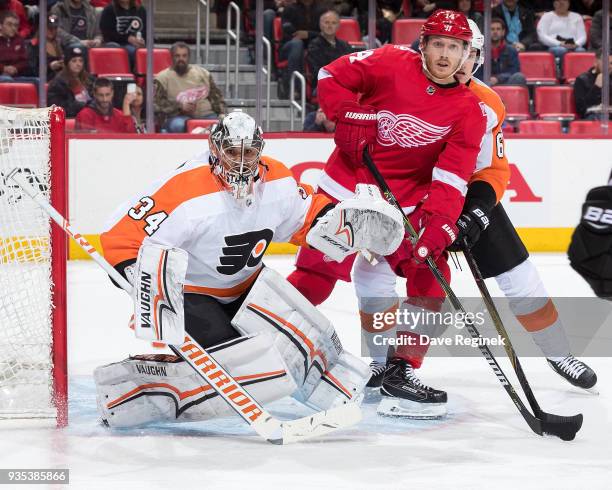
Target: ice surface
(483, 443)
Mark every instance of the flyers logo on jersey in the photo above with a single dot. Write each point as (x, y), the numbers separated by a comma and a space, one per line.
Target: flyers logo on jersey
(407, 131)
(244, 250)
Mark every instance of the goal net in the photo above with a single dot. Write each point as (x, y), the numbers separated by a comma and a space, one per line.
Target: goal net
(32, 267)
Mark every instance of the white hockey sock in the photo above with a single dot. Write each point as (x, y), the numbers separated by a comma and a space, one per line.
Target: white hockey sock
(533, 308)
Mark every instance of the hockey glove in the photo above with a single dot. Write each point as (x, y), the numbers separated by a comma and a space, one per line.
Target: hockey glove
(356, 128)
(472, 222)
(436, 233)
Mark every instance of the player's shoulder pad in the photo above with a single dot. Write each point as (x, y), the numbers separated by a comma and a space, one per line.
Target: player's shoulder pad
(275, 169)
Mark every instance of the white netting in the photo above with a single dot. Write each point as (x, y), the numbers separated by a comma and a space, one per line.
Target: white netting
(25, 268)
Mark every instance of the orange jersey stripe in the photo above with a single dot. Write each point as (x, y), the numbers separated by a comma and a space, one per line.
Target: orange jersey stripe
(236, 290)
(319, 201)
(497, 173)
(539, 319)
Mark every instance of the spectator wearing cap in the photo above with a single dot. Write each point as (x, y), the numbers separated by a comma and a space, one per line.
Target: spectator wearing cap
(100, 116)
(56, 43)
(505, 64)
(13, 52)
(80, 19)
(25, 29)
(521, 31)
(184, 92)
(123, 24)
(588, 89)
(326, 47)
(561, 30)
(71, 88)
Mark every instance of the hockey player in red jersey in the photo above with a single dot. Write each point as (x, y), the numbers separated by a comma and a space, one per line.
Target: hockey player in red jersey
(423, 130)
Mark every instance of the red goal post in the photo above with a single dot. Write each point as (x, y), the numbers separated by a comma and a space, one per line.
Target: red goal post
(33, 255)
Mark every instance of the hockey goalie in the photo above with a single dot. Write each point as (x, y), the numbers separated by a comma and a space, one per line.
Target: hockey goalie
(192, 247)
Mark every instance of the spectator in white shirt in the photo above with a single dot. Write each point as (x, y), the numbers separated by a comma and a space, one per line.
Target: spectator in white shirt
(562, 30)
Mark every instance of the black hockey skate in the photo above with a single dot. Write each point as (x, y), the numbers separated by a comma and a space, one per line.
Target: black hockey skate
(404, 395)
(574, 371)
(372, 388)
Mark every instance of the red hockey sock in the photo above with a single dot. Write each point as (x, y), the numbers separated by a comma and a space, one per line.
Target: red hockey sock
(315, 287)
(414, 354)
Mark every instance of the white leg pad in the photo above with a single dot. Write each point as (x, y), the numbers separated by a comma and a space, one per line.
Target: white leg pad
(147, 389)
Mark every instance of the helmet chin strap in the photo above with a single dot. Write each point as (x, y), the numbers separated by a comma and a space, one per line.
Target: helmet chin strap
(466, 54)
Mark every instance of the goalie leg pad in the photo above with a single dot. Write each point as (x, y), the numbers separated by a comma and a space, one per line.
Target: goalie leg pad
(343, 383)
(161, 388)
(303, 335)
(159, 276)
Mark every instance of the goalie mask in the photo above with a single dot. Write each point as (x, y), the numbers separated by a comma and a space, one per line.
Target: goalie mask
(236, 143)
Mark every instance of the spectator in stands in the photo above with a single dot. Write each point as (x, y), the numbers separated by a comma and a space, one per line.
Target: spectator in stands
(540, 7)
(99, 114)
(300, 26)
(25, 29)
(123, 24)
(271, 13)
(326, 47)
(184, 92)
(520, 22)
(597, 29)
(505, 64)
(466, 7)
(137, 108)
(587, 89)
(13, 53)
(424, 8)
(57, 42)
(316, 121)
(586, 8)
(80, 19)
(71, 88)
(561, 30)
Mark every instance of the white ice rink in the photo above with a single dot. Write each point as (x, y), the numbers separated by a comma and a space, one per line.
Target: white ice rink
(483, 443)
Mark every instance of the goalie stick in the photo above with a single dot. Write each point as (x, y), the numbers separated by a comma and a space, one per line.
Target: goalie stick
(237, 397)
(564, 427)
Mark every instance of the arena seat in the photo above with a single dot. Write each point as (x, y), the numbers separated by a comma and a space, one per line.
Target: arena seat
(516, 100)
(199, 123)
(539, 68)
(162, 59)
(349, 31)
(406, 31)
(278, 38)
(586, 127)
(19, 94)
(540, 127)
(587, 28)
(110, 62)
(555, 103)
(575, 64)
(70, 125)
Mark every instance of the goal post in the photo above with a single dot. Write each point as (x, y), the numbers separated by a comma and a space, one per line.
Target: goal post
(33, 255)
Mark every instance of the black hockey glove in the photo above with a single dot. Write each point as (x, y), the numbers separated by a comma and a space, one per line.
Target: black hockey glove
(474, 219)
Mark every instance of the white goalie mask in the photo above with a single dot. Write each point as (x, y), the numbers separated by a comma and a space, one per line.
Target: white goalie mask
(236, 143)
(478, 41)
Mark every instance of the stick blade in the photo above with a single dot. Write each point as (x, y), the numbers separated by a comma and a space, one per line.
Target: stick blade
(320, 423)
(563, 427)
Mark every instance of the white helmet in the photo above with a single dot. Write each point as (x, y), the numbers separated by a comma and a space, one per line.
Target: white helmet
(478, 41)
(236, 143)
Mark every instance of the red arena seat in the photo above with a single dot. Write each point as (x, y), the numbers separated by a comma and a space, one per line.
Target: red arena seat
(516, 100)
(349, 31)
(406, 31)
(538, 67)
(110, 63)
(70, 125)
(540, 127)
(555, 102)
(586, 127)
(18, 94)
(162, 59)
(278, 37)
(575, 64)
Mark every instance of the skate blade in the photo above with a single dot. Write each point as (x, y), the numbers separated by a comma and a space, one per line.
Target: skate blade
(407, 409)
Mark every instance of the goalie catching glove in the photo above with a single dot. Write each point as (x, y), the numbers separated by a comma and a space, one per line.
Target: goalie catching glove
(365, 222)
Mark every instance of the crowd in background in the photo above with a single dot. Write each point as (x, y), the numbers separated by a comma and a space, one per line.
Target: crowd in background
(305, 39)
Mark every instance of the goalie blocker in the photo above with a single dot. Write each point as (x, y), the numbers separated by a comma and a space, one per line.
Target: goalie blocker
(281, 346)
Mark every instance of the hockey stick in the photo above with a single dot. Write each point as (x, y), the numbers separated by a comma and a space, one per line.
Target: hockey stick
(267, 426)
(542, 423)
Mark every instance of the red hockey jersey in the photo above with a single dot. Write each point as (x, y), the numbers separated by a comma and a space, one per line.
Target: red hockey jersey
(428, 135)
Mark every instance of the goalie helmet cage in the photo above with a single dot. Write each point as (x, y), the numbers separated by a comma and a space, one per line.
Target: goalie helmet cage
(33, 255)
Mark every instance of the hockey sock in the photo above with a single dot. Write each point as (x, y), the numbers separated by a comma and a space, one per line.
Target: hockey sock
(315, 287)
